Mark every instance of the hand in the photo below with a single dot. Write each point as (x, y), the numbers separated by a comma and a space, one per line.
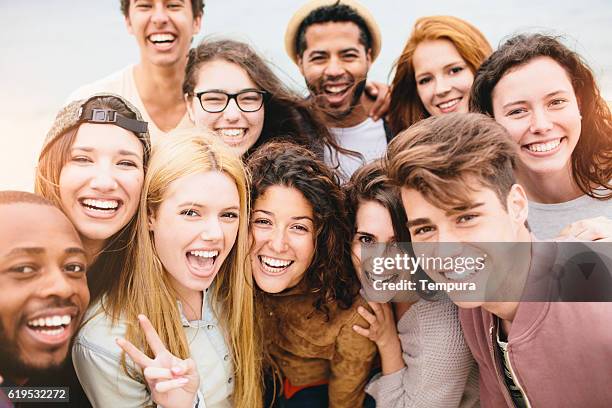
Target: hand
(382, 330)
(173, 382)
(379, 92)
(590, 229)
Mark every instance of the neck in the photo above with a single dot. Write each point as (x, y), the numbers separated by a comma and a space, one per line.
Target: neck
(191, 301)
(549, 188)
(153, 80)
(358, 114)
(514, 281)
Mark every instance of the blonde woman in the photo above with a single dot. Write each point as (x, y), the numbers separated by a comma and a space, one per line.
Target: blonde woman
(186, 272)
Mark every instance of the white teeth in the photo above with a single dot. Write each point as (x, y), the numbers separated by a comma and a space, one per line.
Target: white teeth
(456, 276)
(205, 254)
(161, 37)
(449, 104)
(544, 147)
(336, 88)
(231, 132)
(101, 204)
(275, 263)
(51, 321)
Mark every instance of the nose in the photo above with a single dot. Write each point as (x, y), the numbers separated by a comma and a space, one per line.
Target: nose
(278, 241)
(232, 112)
(442, 85)
(540, 122)
(334, 68)
(160, 16)
(57, 284)
(211, 230)
(104, 180)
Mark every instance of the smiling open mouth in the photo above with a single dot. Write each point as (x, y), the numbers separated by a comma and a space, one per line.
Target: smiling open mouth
(51, 325)
(274, 265)
(202, 262)
(458, 276)
(232, 136)
(99, 205)
(449, 105)
(544, 147)
(382, 278)
(162, 39)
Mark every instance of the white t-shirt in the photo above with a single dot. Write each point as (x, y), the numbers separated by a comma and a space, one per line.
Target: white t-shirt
(122, 83)
(548, 220)
(367, 138)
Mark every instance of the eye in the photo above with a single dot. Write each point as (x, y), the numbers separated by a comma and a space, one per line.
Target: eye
(424, 80)
(466, 218)
(230, 215)
(81, 159)
(189, 213)
(300, 227)
(366, 239)
(558, 102)
(422, 230)
(127, 163)
(262, 221)
(456, 70)
(75, 268)
(351, 56)
(23, 269)
(516, 112)
(174, 5)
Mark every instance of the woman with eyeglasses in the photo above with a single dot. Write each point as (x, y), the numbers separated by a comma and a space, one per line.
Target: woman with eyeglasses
(230, 90)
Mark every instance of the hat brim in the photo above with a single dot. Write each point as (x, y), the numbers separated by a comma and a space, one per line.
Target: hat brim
(299, 16)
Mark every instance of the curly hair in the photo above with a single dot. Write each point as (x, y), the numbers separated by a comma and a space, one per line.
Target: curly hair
(592, 156)
(406, 107)
(286, 164)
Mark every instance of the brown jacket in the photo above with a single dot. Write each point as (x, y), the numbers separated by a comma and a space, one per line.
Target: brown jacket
(307, 348)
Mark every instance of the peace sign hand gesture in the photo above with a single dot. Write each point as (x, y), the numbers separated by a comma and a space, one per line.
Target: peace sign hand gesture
(173, 382)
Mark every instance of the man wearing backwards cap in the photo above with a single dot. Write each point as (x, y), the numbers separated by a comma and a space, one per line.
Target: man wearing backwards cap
(333, 44)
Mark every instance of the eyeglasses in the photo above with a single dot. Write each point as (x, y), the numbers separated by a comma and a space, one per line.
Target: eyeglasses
(248, 100)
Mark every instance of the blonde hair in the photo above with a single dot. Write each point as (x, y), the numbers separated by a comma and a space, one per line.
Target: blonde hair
(406, 106)
(144, 285)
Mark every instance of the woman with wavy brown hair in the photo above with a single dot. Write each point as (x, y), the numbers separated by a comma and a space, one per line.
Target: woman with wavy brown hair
(434, 73)
(263, 108)
(307, 297)
(546, 97)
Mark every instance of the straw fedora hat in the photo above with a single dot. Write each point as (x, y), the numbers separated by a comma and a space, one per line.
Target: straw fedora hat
(299, 16)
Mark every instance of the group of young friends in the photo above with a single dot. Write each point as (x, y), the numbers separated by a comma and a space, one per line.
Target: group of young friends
(197, 232)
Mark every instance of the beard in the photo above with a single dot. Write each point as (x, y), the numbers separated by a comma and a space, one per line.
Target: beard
(13, 367)
(317, 89)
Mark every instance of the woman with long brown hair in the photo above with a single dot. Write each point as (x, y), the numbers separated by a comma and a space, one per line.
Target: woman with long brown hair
(546, 97)
(435, 71)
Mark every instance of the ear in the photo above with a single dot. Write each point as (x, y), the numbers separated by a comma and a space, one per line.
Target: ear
(517, 204)
(151, 219)
(128, 24)
(300, 60)
(369, 57)
(189, 104)
(197, 25)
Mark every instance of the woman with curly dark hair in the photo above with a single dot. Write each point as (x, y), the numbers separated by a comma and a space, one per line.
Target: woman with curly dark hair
(308, 297)
(546, 97)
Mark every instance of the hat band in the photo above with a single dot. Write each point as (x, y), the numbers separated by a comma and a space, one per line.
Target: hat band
(113, 117)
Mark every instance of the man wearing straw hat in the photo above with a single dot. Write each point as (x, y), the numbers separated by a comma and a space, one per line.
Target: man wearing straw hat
(334, 43)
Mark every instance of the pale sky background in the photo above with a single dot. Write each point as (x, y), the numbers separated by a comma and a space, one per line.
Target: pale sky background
(51, 47)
